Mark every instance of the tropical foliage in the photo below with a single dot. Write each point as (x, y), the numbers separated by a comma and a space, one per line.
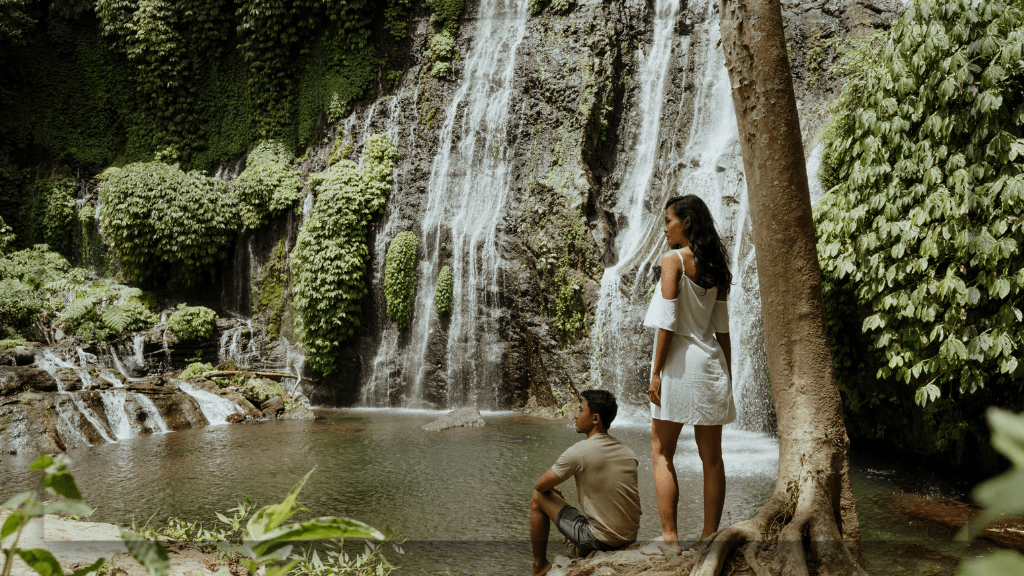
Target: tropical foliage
(330, 255)
(921, 224)
(400, 278)
(165, 223)
(268, 186)
(443, 293)
(191, 323)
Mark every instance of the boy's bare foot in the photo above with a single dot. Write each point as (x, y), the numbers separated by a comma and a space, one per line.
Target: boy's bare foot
(542, 570)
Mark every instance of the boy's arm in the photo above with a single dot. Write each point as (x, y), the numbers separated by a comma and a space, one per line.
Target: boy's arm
(547, 481)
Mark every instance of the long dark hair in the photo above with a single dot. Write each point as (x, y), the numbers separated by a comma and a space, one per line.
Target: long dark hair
(708, 250)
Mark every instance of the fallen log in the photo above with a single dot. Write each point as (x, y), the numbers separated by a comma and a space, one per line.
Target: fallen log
(271, 375)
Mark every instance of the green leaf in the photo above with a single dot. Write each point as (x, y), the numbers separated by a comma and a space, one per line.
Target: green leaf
(41, 561)
(998, 563)
(42, 463)
(269, 518)
(69, 508)
(90, 568)
(152, 555)
(323, 529)
(16, 500)
(62, 484)
(11, 524)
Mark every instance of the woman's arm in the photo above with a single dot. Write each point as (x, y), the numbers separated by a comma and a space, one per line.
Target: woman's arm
(671, 273)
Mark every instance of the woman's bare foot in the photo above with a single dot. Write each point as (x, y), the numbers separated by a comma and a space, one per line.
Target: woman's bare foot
(542, 570)
(662, 547)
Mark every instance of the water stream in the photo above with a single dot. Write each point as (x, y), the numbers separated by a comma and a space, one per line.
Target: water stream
(702, 159)
(466, 191)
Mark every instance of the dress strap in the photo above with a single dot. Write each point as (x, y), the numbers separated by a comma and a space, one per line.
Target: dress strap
(681, 261)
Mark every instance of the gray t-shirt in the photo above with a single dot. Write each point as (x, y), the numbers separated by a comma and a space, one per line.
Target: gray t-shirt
(605, 471)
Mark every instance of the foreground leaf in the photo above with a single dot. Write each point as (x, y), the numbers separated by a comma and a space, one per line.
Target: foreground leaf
(41, 561)
(152, 555)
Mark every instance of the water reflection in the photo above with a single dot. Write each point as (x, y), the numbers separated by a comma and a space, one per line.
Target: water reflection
(462, 495)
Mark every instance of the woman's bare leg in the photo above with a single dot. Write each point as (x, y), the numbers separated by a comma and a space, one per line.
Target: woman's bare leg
(664, 436)
(709, 446)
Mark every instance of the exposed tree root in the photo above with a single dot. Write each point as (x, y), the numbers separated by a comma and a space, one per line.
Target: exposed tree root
(805, 531)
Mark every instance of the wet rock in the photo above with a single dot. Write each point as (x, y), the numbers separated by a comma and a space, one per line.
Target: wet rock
(299, 412)
(26, 354)
(26, 427)
(463, 417)
(68, 379)
(273, 406)
(14, 379)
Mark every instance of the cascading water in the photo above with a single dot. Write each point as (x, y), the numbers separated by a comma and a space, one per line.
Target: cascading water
(114, 408)
(215, 409)
(704, 161)
(466, 192)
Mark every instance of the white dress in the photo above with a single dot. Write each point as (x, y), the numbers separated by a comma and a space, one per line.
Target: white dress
(695, 384)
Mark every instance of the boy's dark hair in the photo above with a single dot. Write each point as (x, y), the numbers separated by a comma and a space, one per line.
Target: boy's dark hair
(602, 403)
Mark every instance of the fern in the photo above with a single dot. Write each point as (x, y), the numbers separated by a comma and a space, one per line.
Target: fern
(78, 309)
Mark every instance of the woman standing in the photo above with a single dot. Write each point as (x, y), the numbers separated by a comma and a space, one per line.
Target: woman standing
(691, 373)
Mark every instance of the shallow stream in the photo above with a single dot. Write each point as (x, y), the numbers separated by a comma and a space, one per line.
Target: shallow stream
(460, 497)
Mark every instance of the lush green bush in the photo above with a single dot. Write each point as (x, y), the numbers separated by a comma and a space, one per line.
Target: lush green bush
(400, 278)
(102, 309)
(162, 221)
(24, 276)
(268, 185)
(443, 294)
(192, 323)
(7, 237)
(329, 259)
(444, 15)
(195, 370)
(20, 305)
(923, 222)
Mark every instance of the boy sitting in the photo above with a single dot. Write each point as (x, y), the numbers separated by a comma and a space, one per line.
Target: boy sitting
(606, 482)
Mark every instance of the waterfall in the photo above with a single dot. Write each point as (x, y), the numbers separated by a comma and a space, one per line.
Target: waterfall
(215, 409)
(92, 417)
(114, 408)
(704, 160)
(153, 418)
(466, 193)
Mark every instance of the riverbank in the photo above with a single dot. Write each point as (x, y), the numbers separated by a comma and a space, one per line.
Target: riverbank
(76, 544)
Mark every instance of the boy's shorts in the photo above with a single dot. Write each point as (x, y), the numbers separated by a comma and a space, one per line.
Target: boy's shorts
(576, 528)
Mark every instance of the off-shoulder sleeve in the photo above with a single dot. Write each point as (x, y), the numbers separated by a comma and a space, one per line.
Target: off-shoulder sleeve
(720, 316)
(661, 313)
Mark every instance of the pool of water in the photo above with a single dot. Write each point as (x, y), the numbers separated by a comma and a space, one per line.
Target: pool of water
(460, 497)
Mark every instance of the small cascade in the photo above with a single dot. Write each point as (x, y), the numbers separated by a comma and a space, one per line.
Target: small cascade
(241, 344)
(294, 359)
(68, 427)
(215, 409)
(153, 418)
(93, 418)
(466, 191)
(117, 416)
(52, 359)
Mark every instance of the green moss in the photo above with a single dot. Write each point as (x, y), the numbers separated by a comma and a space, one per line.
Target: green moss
(195, 370)
(330, 255)
(443, 293)
(269, 293)
(400, 278)
(8, 343)
(557, 6)
(191, 323)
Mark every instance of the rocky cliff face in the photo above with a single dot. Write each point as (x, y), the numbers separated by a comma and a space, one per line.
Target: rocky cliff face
(556, 121)
(538, 165)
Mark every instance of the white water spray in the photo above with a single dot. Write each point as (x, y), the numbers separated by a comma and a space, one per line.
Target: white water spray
(468, 186)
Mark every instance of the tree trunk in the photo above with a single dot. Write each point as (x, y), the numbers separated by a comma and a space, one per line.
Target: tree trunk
(811, 515)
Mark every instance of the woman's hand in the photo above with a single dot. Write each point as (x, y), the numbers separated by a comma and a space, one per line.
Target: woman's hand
(655, 389)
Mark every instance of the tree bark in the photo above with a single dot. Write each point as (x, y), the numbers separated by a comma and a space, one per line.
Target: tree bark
(812, 512)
